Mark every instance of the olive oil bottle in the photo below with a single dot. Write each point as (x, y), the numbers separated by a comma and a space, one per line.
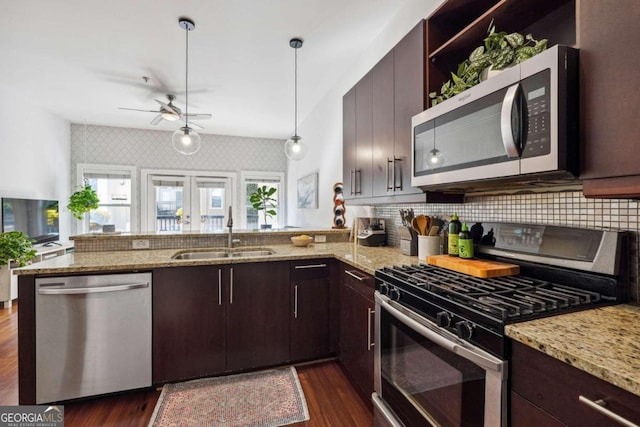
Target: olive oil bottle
(465, 243)
(454, 230)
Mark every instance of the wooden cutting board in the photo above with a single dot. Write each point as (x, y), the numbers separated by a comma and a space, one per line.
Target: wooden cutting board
(474, 267)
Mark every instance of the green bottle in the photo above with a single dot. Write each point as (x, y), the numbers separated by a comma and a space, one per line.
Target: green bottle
(465, 243)
(454, 230)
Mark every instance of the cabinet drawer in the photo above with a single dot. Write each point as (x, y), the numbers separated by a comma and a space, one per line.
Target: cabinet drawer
(359, 281)
(557, 387)
(310, 269)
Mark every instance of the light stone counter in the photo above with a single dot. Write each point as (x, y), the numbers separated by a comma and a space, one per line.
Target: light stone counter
(605, 342)
(367, 259)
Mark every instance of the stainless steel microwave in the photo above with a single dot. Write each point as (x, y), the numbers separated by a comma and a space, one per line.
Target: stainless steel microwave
(518, 127)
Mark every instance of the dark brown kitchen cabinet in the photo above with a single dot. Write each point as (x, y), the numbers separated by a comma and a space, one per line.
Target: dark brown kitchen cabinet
(349, 142)
(357, 310)
(310, 284)
(189, 326)
(559, 392)
(257, 315)
(362, 175)
(378, 168)
(214, 319)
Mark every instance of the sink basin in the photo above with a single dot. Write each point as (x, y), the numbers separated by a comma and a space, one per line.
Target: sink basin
(201, 255)
(229, 253)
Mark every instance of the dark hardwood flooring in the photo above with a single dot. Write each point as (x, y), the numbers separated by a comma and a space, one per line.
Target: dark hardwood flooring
(331, 399)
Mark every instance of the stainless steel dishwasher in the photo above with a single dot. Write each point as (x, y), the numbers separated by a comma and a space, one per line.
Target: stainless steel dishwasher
(93, 335)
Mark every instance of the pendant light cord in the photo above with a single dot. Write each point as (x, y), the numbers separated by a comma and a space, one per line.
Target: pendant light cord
(186, 80)
(296, 93)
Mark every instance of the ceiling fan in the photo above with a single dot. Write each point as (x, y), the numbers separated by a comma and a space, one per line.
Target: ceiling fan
(170, 112)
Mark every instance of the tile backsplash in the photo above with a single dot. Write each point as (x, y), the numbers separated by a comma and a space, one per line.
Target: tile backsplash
(565, 208)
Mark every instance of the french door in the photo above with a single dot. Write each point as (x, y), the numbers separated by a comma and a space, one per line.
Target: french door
(197, 201)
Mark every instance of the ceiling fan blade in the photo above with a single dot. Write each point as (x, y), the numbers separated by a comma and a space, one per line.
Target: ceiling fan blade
(137, 109)
(169, 107)
(195, 125)
(157, 119)
(197, 116)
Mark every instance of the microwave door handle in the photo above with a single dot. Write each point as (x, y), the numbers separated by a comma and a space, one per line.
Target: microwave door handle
(509, 138)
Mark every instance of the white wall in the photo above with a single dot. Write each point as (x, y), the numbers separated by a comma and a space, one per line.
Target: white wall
(322, 128)
(34, 154)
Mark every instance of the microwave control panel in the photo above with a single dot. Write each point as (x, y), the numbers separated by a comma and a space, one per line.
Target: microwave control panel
(536, 91)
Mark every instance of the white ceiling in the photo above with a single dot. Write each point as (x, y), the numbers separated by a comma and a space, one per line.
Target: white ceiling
(83, 59)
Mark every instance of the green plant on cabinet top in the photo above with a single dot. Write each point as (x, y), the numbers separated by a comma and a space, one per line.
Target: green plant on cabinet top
(500, 51)
(17, 247)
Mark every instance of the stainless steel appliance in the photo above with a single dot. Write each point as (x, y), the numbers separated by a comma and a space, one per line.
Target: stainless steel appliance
(93, 335)
(441, 354)
(519, 126)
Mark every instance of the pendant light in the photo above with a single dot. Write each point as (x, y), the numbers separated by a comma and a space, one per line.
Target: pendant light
(186, 140)
(295, 148)
(434, 158)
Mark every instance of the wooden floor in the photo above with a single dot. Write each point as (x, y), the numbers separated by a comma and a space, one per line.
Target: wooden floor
(331, 399)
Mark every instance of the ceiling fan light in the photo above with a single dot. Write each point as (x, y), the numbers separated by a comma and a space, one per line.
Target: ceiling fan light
(168, 115)
(186, 141)
(295, 148)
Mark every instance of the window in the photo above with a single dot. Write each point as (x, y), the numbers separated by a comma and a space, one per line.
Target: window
(186, 200)
(250, 181)
(115, 186)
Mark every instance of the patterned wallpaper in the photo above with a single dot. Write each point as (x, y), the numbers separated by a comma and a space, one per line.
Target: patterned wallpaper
(152, 149)
(565, 208)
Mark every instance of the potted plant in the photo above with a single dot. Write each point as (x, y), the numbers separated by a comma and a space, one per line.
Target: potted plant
(500, 51)
(16, 250)
(83, 201)
(261, 200)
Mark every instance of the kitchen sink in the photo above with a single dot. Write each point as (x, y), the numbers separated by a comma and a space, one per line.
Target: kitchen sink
(228, 253)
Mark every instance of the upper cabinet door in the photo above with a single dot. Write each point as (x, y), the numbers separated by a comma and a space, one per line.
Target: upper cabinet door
(349, 142)
(383, 127)
(409, 100)
(364, 136)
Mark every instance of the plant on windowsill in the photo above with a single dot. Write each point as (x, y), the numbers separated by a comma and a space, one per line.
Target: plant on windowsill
(500, 51)
(83, 201)
(262, 200)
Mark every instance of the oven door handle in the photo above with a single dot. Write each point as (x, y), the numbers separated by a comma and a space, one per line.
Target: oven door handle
(476, 356)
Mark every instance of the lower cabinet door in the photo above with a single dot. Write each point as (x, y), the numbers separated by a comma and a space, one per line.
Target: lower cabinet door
(309, 319)
(257, 315)
(188, 323)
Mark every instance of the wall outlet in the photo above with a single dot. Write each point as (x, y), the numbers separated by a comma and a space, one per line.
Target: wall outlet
(140, 244)
(320, 238)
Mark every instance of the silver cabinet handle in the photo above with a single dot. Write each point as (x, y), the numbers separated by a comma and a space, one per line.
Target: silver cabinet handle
(392, 182)
(298, 267)
(397, 187)
(231, 285)
(506, 125)
(358, 173)
(295, 302)
(600, 406)
(361, 279)
(90, 290)
(352, 178)
(219, 286)
(369, 343)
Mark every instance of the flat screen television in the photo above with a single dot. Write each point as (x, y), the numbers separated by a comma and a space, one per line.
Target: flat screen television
(38, 219)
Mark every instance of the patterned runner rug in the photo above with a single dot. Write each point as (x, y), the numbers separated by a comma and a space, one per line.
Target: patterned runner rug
(261, 399)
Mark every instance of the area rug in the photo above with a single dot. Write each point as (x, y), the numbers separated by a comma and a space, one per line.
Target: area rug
(259, 399)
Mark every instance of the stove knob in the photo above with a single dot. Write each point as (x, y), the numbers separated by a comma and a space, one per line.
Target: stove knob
(383, 289)
(443, 319)
(394, 294)
(464, 329)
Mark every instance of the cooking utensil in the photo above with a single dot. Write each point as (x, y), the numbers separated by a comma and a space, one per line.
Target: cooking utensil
(433, 230)
(421, 224)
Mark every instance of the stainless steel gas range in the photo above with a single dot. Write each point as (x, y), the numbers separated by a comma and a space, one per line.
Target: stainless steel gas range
(441, 352)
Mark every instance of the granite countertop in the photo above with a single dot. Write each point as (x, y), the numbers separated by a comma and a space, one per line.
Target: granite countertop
(601, 341)
(367, 259)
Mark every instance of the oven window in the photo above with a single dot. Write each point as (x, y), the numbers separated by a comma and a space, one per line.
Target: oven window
(421, 380)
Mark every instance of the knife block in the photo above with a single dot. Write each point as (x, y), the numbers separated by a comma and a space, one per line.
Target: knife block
(408, 241)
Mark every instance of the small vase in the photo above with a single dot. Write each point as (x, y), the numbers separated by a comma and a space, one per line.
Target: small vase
(265, 226)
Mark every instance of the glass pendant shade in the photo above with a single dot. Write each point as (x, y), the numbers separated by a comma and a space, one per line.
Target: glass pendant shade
(186, 141)
(434, 159)
(295, 148)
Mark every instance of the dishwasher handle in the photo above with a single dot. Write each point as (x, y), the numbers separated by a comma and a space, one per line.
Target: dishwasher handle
(89, 290)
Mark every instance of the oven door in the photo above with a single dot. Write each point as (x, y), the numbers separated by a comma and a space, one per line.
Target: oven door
(424, 374)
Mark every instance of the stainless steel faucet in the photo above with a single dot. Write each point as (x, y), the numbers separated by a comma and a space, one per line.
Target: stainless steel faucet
(230, 227)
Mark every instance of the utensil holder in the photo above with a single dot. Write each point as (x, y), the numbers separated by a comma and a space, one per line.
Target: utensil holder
(408, 241)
